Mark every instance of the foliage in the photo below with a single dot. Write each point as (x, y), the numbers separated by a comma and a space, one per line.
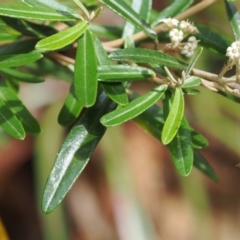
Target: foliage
(100, 95)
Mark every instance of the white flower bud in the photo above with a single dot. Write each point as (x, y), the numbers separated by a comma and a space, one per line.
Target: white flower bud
(176, 35)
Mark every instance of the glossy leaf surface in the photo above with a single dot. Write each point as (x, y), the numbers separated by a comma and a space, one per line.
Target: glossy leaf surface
(115, 91)
(63, 38)
(35, 13)
(70, 110)
(10, 60)
(75, 153)
(125, 11)
(234, 18)
(172, 10)
(52, 4)
(140, 55)
(181, 149)
(117, 72)
(85, 74)
(10, 98)
(10, 123)
(174, 117)
(134, 108)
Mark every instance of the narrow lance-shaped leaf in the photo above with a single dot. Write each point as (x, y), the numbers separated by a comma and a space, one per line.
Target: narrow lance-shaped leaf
(52, 4)
(198, 140)
(193, 60)
(75, 152)
(117, 72)
(201, 164)
(29, 123)
(174, 117)
(63, 38)
(115, 91)
(10, 123)
(134, 108)
(140, 55)
(21, 76)
(85, 74)
(181, 145)
(212, 39)
(28, 28)
(142, 7)
(70, 110)
(35, 13)
(181, 149)
(172, 10)
(152, 121)
(18, 47)
(106, 32)
(234, 18)
(191, 82)
(125, 11)
(11, 60)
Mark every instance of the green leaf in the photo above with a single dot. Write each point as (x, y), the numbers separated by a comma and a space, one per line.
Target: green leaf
(190, 91)
(10, 123)
(212, 39)
(10, 60)
(141, 7)
(52, 4)
(151, 120)
(172, 10)
(191, 82)
(106, 32)
(10, 98)
(101, 54)
(28, 28)
(18, 47)
(181, 149)
(234, 18)
(26, 12)
(82, 7)
(174, 117)
(21, 76)
(134, 108)
(193, 60)
(198, 140)
(63, 38)
(125, 11)
(75, 153)
(85, 75)
(70, 110)
(140, 55)
(115, 91)
(201, 164)
(123, 72)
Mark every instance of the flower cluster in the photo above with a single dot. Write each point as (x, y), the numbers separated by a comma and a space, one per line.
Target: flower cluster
(233, 52)
(178, 30)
